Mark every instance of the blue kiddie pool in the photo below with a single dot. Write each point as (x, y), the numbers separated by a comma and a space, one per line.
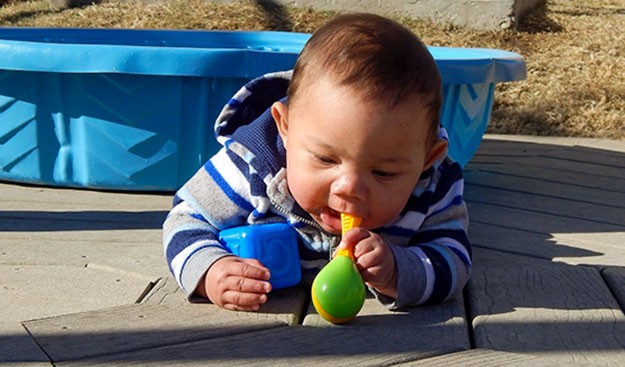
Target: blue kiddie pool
(134, 109)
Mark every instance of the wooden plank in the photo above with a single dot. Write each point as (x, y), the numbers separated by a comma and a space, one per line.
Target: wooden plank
(380, 337)
(548, 204)
(485, 257)
(443, 325)
(481, 358)
(146, 326)
(97, 237)
(286, 346)
(17, 348)
(40, 198)
(504, 148)
(615, 279)
(538, 308)
(568, 197)
(25, 221)
(554, 157)
(607, 245)
(50, 290)
(568, 215)
(114, 231)
(536, 221)
(437, 327)
(598, 157)
(66, 199)
(286, 305)
(451, 315)
(565, 239)
(559, 164)
(605, 154)
(604, 145)
(547, 174)
(56, 209)
(533, 244)
(135, 252)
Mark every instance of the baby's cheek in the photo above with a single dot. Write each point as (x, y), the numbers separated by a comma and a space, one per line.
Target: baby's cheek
(386, 215)
(308, 192)
(389, 206)
(302, 196)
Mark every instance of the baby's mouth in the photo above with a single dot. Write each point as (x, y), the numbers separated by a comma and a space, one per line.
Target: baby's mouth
(331, 219)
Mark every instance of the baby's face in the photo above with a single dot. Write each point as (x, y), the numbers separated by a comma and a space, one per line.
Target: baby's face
(346, 155)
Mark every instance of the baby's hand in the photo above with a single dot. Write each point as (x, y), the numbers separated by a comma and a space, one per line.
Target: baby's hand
(374, 260)
(236, 284)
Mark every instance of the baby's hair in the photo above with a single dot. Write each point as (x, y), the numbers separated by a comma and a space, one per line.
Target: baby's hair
(375, 56)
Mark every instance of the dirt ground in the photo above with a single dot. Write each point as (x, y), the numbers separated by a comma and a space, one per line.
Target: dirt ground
(574, 50)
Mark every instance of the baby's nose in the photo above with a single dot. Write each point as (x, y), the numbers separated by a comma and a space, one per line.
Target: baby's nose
(350, 185)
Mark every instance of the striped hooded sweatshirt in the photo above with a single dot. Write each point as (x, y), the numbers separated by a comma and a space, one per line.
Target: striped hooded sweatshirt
(245, 184)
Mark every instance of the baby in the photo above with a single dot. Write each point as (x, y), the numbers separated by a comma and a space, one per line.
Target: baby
(354, 129)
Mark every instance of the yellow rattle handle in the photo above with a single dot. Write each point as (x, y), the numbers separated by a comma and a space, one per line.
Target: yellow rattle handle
(348, 222)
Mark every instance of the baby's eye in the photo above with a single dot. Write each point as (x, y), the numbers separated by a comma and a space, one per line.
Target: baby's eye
(323, 159)
(384, 174)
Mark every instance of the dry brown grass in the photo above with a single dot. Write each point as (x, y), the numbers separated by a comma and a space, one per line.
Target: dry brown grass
(574, 50)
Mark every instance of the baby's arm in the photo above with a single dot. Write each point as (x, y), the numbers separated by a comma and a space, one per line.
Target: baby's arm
(431, 271)
(436, 264)
(435, 267)
(206, 204)
(205, 268)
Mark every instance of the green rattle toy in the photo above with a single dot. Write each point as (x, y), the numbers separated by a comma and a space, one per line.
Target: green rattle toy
(338, 291)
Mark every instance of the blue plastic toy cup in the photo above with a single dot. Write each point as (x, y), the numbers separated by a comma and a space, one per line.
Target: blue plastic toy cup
(273, 244)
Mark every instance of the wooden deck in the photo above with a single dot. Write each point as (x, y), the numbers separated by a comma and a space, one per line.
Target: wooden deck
(84, 282)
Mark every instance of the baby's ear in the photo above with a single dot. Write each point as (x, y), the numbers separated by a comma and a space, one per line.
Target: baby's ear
(280, 112)
(437, 152)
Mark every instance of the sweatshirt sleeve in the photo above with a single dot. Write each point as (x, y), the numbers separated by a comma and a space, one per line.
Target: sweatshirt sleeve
(436, 264)
(213, 199)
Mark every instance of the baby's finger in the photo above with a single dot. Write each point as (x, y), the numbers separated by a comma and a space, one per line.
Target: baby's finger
(372, 249)
(242, 301)
(233, 307)
(353, 236)
(246, 285)
(366, 257)
(371, 274)
(252, 268)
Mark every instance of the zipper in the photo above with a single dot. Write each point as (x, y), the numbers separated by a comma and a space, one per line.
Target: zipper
(288, 213)
(334, 240)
